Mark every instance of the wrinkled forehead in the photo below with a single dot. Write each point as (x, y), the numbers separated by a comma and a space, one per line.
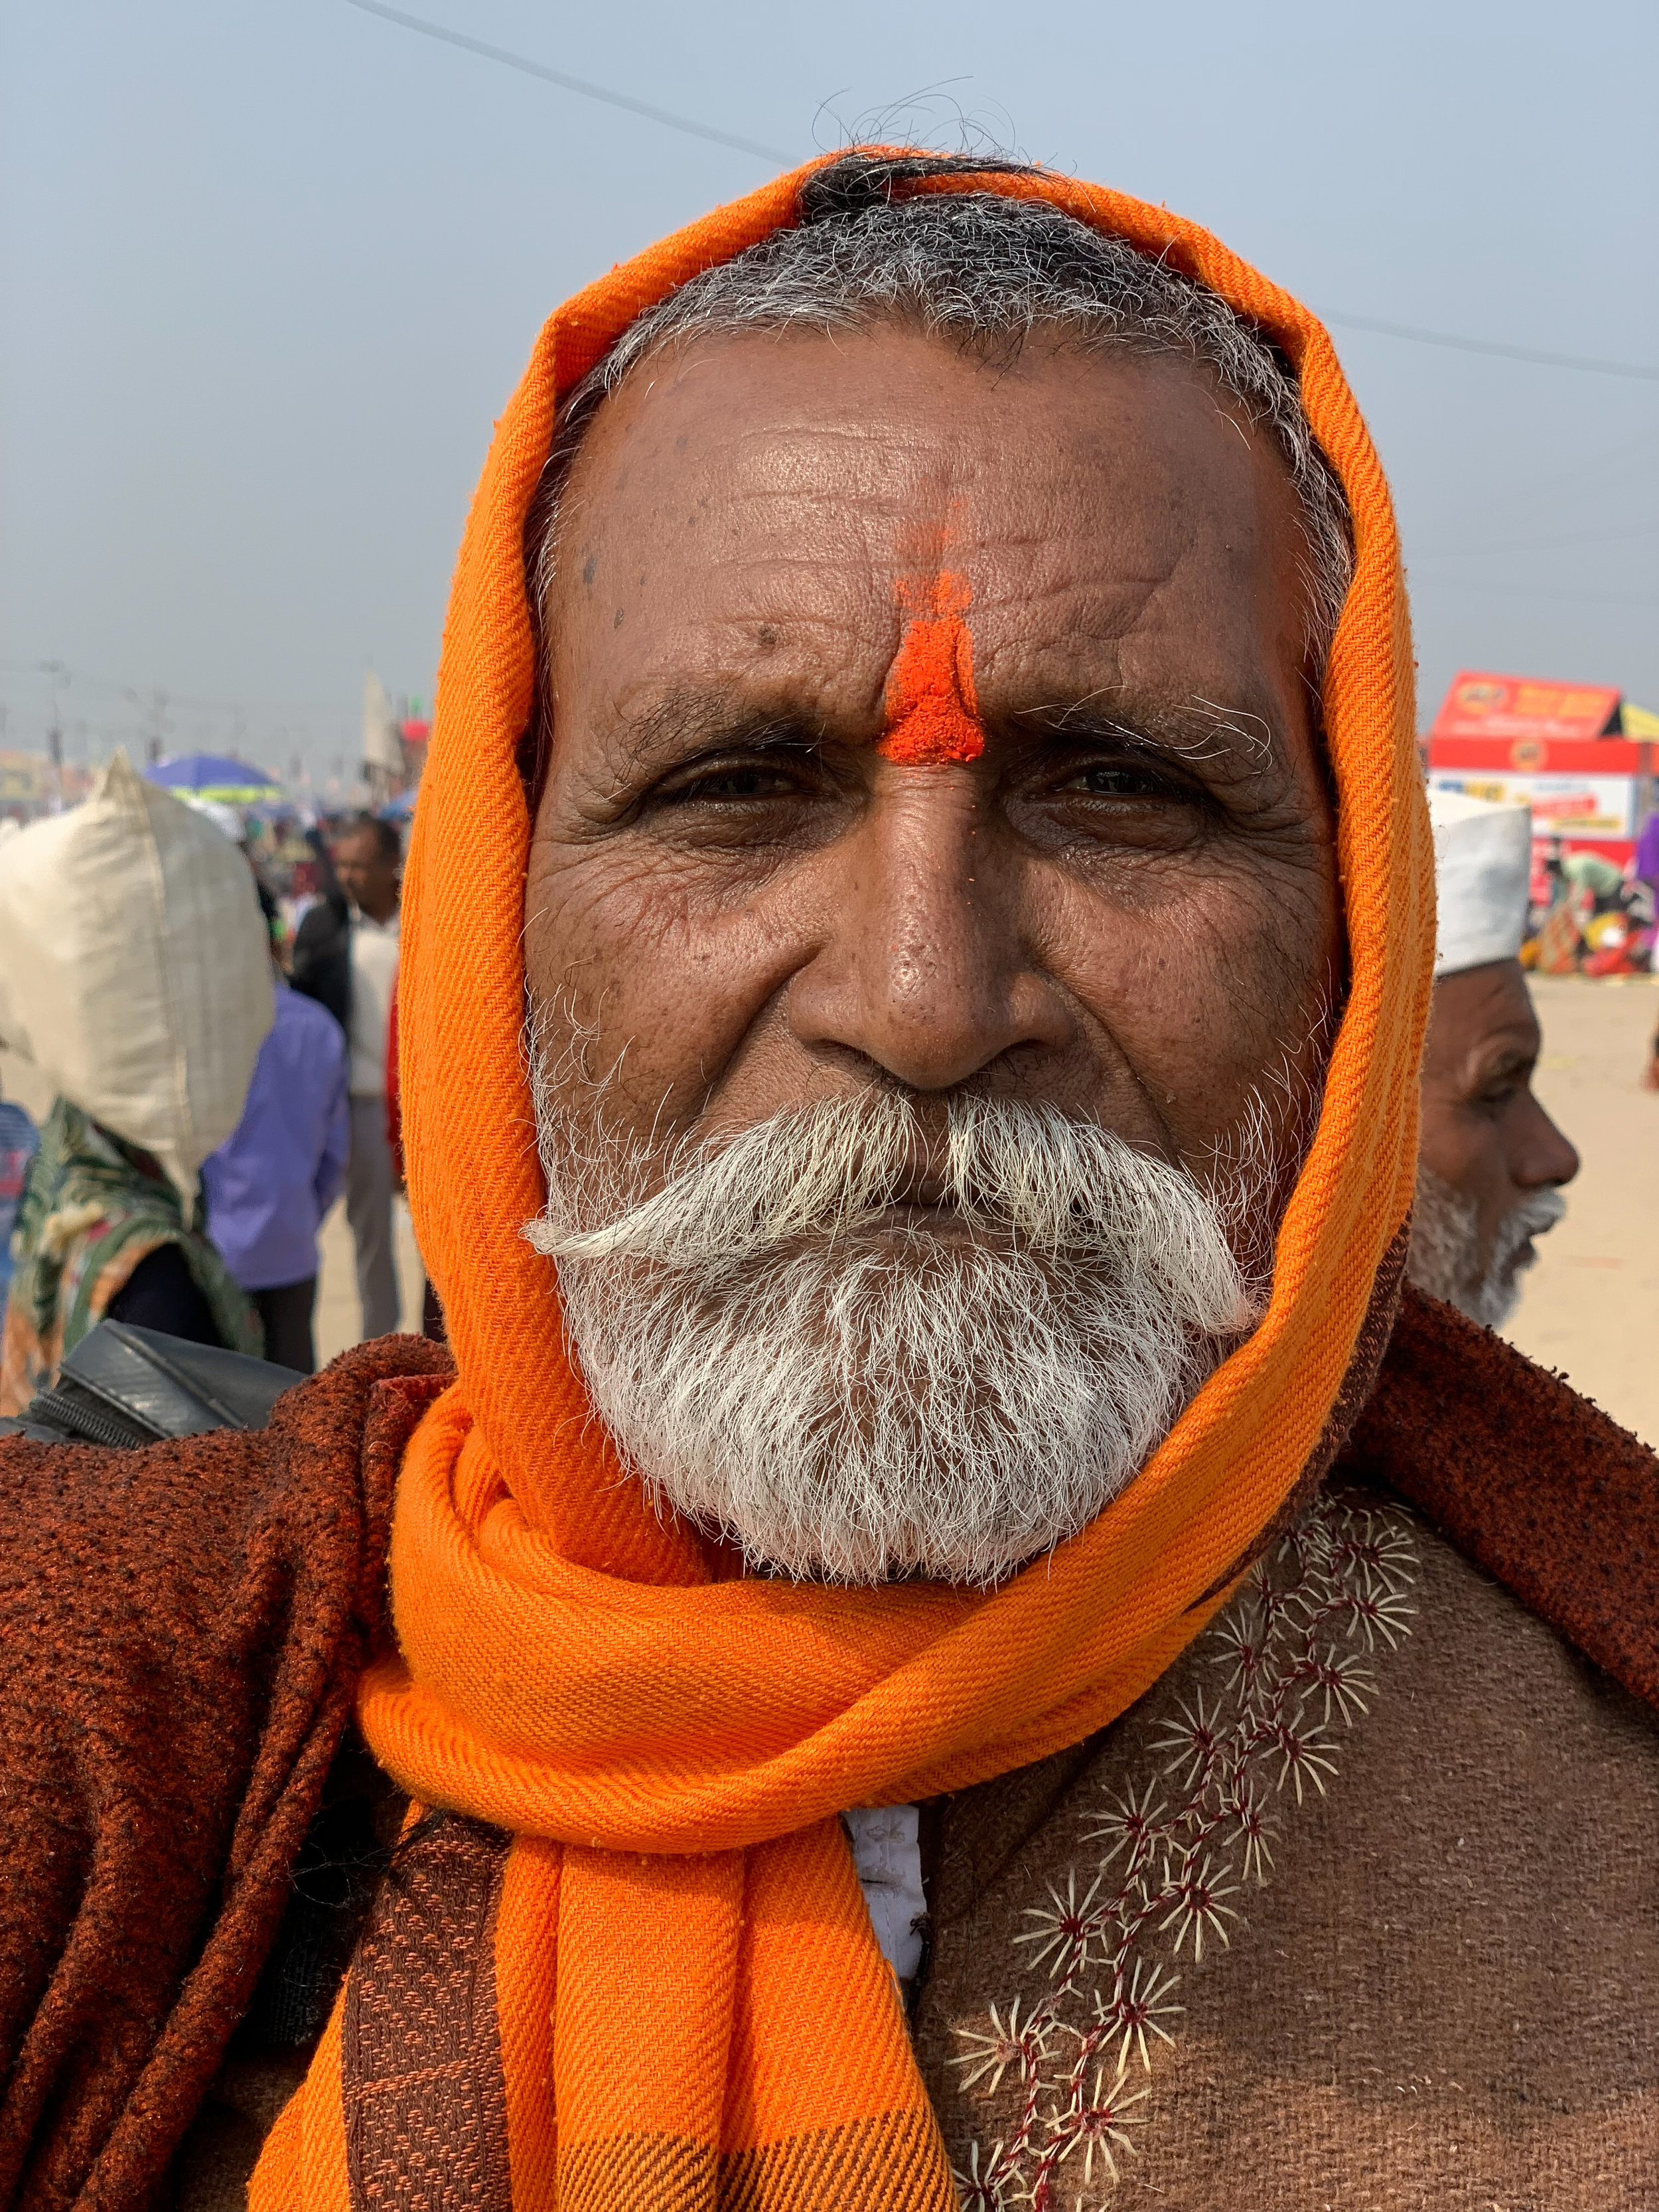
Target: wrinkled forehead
(784, 503)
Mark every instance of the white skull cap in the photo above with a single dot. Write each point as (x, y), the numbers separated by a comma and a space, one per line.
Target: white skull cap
(1482, 866)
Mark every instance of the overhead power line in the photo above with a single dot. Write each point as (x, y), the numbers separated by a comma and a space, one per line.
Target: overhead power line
(692, 129)
(1434, 586)
(576, 84)
(1490, 345)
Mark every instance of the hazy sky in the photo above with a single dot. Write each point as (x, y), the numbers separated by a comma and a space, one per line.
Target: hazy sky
(269, 272)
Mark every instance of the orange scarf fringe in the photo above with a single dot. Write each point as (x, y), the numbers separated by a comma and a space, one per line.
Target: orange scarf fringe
(691, 2006)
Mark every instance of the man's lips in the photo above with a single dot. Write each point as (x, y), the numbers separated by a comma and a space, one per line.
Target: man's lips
(933, 1217)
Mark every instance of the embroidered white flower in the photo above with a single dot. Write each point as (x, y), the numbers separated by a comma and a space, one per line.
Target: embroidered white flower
(1294, 1654)
(992, 2054)
(1136, 2007)
(1197, 1890)
(1095, 2124)
(994, 2189)
(1063, 1933)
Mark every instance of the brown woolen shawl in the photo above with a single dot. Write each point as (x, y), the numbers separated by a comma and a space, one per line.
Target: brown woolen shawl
(183, 1629)
(1528, 1479)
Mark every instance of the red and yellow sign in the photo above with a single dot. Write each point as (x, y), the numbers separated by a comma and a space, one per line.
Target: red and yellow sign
(1483, 705)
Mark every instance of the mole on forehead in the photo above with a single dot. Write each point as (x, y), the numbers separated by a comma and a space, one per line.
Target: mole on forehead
(833, 633)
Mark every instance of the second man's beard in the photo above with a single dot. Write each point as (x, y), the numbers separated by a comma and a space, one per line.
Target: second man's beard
(853, 1394)
(1445, 1258)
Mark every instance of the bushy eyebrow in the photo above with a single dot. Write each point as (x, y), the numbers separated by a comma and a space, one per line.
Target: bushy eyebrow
(1492, 1064)
(1192, 731)
(688, 721)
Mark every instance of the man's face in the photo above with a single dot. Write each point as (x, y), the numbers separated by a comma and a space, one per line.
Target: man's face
(1494, 1155)
(936, 736)
(367, 877)
(1125, 906)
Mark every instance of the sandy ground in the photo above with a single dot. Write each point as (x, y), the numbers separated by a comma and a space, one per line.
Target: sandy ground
(338, 1320)
(1591, 1306)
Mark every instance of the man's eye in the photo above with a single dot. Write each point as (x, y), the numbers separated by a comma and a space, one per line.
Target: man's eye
(1495, 1099)
(1108, 780)
(725, 786)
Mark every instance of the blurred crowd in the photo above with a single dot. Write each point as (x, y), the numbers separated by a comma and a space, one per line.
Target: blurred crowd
(110, 1211)
(97, 1224)
(1587, 915)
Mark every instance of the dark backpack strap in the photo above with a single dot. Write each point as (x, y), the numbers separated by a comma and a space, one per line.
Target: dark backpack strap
(124, 1386)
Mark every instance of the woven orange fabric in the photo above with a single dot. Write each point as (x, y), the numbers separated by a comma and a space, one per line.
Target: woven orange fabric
(684, 1962)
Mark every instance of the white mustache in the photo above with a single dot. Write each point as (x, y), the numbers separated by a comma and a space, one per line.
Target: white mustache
(1534, 1215)
(856, 1405)
(1445, 1248)
(1059, 1187)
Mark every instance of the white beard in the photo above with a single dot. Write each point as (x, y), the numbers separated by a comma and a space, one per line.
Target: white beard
(1444, 1259)
(851, 1400)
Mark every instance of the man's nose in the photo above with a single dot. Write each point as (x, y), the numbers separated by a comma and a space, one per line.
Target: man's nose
(924, 972)
(1541, 1155)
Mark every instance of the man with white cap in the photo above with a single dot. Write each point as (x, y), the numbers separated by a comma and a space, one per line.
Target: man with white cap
(1492, 1162)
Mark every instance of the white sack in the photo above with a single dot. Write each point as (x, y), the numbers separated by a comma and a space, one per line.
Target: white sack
(135, 966)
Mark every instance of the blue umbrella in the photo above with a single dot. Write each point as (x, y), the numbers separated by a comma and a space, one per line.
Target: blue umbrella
(214, 775)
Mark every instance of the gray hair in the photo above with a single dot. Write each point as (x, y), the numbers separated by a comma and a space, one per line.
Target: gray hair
(985, 271)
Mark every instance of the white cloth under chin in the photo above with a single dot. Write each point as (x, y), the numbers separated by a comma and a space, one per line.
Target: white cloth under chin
(887, 1856)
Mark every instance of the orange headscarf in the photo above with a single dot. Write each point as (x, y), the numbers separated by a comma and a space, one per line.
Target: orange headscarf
(682, 1957)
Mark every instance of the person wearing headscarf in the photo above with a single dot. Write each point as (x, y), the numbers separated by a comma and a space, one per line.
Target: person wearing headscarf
(946, 1632)
(1491, 1164)
(134, 972)
(102, 1233)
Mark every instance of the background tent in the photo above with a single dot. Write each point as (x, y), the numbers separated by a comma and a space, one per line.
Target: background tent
(216, 776)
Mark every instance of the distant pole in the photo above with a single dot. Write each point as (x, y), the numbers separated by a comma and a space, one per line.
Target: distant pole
(158, 708)
(59, 675)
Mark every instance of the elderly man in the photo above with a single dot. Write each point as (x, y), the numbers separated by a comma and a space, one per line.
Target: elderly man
(1492, 1162)
(909, 1678)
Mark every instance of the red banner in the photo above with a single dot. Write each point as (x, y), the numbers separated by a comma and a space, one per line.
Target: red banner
(1483, 705)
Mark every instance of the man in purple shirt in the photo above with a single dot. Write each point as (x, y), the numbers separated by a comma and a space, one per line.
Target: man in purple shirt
(270, 1184)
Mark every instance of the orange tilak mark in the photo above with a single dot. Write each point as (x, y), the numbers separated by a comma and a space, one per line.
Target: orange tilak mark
(933, 715)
